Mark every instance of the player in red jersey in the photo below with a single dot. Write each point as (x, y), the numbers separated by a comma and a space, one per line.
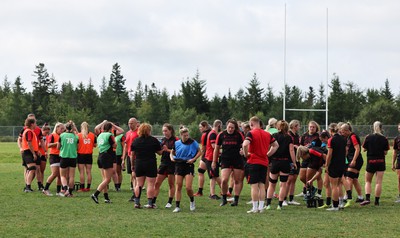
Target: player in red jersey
(204, 128)
(257, 147)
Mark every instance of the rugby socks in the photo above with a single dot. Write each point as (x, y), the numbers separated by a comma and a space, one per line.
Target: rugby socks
(368, 197)
(97, 193)
(260, 205)
(132, 186)
(154, 200)
(224, 197)
(335, 203)
(40, 185)
(170, 199)
(230, 190)
(150, 201)
(82, 186)
(236, 199)
(280, 203)
(177, 203)
(191, 199)
(70, 190)
(269, 201)
(377, 201)
(88, 186)
(106, 196)
(65, 188)
(319, 191)
(47, 186)
(328, 201)
(304, 190)
(58, 188)
(200, 191)
(255, 205)
(349, 194)
(291, 197)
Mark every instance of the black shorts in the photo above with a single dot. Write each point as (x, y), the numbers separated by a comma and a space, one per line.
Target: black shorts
(118, 159)
(28, 157)
(375, 167)
(54, 159)
(146, 168)
(335, 172)
(280, 165)
(43, 158)
(67, 163)
(295, 171)
(256, 173)
(315, 164)
(183, 169)
(85, 159)
(304, 164)
(166, 169)
(398, 163)
(105, 160)
(359, 163)
(212, 173)
(232, 163)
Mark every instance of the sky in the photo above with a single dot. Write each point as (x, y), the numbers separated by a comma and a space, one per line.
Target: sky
(227, 41)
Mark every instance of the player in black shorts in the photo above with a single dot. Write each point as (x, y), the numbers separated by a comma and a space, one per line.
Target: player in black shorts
(309, 139)
(294, 127)
(355, 163)
(230, 141)
(204, 128)
(396, 161)
(281, 162)
(377, 146)
(335, 163)
(167, 167)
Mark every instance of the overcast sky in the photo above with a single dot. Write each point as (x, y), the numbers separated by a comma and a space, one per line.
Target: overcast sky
(226, 40)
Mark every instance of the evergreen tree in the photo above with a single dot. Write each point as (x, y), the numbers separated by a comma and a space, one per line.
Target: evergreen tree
(386, 92)
(117, 81)
(254, 96)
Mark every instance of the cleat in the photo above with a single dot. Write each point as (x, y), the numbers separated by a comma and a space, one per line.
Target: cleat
(223, 203)
(28, 190)
(285, 203)
(348, 204)
(138, 206)
(254, 211)
(215, 197)
(107, 201)
(293, 203)
(268, 207)
(318, 195)
(323, 206)
(279, 208)
(132, 199)
(230, 199)
(249, 202)
(95, 199)
(148, 206)
(333, 209)
(169, 205)
(234, 204)
(177, 209)
(300, 195)
(366, 202)
(198, 194)
(47, 193)
(192, 206)
(360, 200)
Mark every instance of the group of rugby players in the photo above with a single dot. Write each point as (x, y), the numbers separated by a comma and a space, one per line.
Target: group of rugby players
(242, 150)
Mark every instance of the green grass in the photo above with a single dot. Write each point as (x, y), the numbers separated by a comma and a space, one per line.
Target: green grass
(35, 215)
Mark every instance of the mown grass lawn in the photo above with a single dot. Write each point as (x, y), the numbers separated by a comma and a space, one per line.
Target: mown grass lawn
(35, 215)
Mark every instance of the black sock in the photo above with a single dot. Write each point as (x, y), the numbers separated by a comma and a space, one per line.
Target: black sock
(97, 193)
(150, 201)
(236, 198)
(377, 200)
(328, 201)
(65, 188)
(291, 197)
(170, 199)
(88, 185)
(70, 190)
(319, 191)
(200, 190)
(58, 188)
(304, 190)
(269, 201)
(82, 186)
(132, 185)
(368, 197)
(191, 199)
(285, 199)
(47, 186)
(119, 185)
(230, 190)
(349, 194)
(177, 203)
(224, 197)
(106, 196)
(39, 184)
(280, 203)
(140, 192)
(28, 186)
(335, 203)
(154, 200)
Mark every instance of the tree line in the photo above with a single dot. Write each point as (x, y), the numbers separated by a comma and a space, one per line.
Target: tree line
(52, 102)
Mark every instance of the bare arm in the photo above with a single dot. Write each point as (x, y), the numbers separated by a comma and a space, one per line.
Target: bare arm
(118, 130)
(273, 148)
(99, 127)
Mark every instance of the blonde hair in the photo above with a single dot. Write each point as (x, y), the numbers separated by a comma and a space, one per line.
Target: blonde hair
(56, 126)
(301, 152)
(293, 123)
(85, 129)
(318, 128)
(144, 130)
(271, 123)
(183, 130)
(378, 127)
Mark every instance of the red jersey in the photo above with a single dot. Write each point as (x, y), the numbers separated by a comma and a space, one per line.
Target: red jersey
(211, 138)
(260, 142)
(130, 136)
(86, 145)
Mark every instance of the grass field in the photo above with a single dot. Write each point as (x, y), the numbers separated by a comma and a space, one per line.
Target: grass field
(35, 215)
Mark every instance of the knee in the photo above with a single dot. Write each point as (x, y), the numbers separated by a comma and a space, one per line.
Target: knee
(283, 178)
(272, 181)
(201, 171)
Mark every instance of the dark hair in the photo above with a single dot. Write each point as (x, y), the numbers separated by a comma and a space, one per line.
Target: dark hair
(107, 126)
(69, 125)
(282, 126)
(205, 124)
(30, 121)
(325, 134)
(170, 128)
(234, 122)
